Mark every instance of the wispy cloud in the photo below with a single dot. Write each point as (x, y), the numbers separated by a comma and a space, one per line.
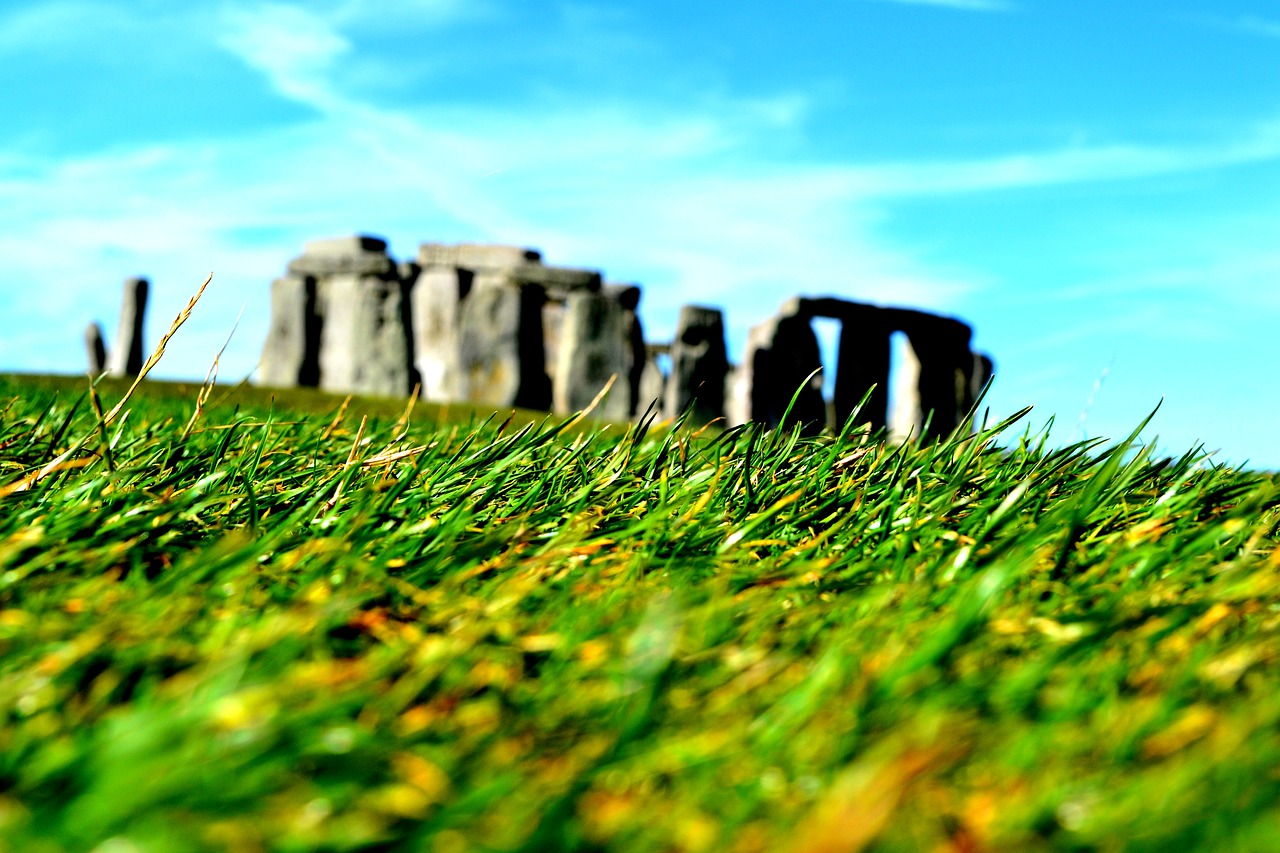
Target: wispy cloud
(965, 5)
(1254, 25)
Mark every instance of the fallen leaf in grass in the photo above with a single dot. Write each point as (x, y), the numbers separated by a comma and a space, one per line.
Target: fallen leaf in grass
(1194, 723)
(861, 803)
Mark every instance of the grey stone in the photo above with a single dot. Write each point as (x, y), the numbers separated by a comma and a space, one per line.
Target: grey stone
(364, 341)
(502, 357)
(356, 244)
(941, 363)
(984, 370)
(477, 257)
(553, 311)
(626, 295)
(907, 415)
(437, 298)
(698, 365)
(737, 396)
(360, 255)
(291, 355)
(780, 363)
(652, 390)
(557, 282)
(96, 349)
(594, 347)
(127, 355)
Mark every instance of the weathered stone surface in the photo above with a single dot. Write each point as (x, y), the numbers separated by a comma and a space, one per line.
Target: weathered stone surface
(437, 298)
(907, 414)
(364, 341)
(626, 295)
(652, 390)
(939, 364)
(594, 347)
(477, 257)
(946, 370)
(780, 363)
(502, 357)
(291, 355)
(737, 396)
(698, 365)
(127, 354)
(355, 244)
(984, 370)
(557, 282)
(553, 311)
(360, 255)
(96, 349)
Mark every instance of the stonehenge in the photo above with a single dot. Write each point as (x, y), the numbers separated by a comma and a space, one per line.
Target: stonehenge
(494, 325)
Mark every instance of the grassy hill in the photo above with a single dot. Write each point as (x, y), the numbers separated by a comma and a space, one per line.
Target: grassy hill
(286, 624)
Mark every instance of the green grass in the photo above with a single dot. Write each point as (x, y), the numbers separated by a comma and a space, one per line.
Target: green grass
(279, 629)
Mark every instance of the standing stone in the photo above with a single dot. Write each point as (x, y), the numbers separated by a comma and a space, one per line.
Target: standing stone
(782, 357)
(291, 355)
(501, 344)
(364, 343)
(984, 370)
(594, 346)
(652, 389)
(939, 354)
(907, 415)
(863, 365)
(628, 297)
(437, 300)
(698, 365)
(737, 396)
(96, 349)
(126, 357)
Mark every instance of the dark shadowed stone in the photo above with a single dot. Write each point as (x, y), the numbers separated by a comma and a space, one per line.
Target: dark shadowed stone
(437, 299)
(291, 355)
(628, 296)
(127, 354)
(364, 342)
(502, 356)
(862, 367)
(594, 347)
(477, 257)
(698, 365)
(96, 349)
(781, 359)
(940, 347)
(557, 282)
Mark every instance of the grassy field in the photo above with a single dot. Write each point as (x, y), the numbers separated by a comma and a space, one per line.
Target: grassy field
(291, 626)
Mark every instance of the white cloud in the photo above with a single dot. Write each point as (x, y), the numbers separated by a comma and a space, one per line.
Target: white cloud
(294, 48)
(1254, 25)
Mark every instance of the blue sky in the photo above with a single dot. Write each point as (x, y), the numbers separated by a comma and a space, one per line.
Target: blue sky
(1095, 186)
